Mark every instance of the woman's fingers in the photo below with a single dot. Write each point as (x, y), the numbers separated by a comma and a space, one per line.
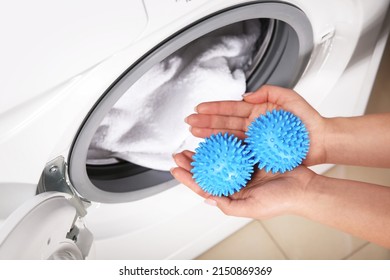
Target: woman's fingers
(217, 121)
(225, 204)
(184, 160)
(183, 174)
(207, 132)
(188, 154)
(185, 178)
(203, 126)
(235, 205)
(225, 108)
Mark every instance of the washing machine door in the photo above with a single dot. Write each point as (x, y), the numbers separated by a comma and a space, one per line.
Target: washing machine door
(48, 226)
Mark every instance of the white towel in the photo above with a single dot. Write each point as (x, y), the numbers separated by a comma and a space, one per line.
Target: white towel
(146, 126)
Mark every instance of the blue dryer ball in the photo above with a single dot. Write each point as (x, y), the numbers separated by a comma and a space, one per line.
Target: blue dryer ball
(279, 141)
(222, 165)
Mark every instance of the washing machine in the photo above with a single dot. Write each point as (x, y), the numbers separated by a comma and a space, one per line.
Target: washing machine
(65, 64)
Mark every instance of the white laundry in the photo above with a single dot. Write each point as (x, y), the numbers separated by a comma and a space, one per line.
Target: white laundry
(146, 126)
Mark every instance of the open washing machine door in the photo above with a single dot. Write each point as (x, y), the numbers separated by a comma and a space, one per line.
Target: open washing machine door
(48, 226)
(324, 51)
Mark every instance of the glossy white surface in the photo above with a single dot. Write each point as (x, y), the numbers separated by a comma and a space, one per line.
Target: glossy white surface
(38, 228)
(59, 68)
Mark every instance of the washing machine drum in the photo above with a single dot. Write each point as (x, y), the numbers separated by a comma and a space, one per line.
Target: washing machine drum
(278, 55)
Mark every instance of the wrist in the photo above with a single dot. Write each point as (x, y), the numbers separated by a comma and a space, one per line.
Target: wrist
(326, 139)
(335, 140)
(318, 141)
(305, 188)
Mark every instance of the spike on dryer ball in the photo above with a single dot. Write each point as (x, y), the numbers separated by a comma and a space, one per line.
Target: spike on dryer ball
(279, 141)
(222, 165)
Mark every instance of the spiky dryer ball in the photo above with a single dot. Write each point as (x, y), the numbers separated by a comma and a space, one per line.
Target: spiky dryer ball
(279, 141)
(222, 165)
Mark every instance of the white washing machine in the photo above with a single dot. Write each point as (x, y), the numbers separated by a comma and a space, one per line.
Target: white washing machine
(65, 64)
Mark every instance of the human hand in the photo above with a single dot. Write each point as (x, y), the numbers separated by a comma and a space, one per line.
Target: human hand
(234, 117)
(265, 196)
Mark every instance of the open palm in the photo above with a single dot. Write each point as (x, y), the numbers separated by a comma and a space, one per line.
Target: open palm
(235, 116)
(266, 195)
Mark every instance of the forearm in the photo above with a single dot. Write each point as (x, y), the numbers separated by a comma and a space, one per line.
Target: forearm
(363, 141)
(360, 209)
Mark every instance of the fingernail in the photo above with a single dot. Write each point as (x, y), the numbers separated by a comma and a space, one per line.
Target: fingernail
(247, 93)
(173, 155)
(186, 120)
(171, 170)
(196, 109)
(210, 202)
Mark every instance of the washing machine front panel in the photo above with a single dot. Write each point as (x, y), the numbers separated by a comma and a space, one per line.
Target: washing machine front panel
(348, 41)
(46, 43)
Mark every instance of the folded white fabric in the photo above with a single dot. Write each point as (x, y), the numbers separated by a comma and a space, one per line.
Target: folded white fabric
(146, 126)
